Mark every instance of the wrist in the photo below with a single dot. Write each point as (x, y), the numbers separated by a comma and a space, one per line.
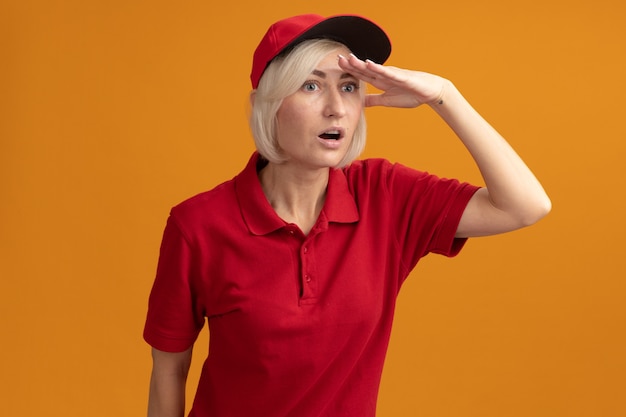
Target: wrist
(447, 89)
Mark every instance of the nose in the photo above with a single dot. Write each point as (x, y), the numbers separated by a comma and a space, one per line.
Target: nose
(335, 106)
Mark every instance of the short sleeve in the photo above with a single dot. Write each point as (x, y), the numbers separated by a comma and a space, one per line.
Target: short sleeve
(428, 210)
(174, 317)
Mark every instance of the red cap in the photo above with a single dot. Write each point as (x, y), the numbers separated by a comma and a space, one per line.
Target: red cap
(364, 38)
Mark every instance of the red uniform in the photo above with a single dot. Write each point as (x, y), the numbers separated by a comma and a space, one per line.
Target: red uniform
(299, 325)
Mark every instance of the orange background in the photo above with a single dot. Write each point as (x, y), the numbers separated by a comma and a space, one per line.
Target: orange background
(113, 111)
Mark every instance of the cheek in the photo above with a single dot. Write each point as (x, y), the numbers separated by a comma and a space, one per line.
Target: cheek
(356, 112)
(356, 103)
(289, 124)
(290, 116)
(285, 114)
(284, 121)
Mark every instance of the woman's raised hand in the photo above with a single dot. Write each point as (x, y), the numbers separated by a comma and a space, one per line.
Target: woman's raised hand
(400, 87)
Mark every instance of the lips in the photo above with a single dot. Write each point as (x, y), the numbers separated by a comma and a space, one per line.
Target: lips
(332, 134)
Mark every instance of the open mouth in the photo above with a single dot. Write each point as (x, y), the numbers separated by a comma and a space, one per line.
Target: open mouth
(331, 135)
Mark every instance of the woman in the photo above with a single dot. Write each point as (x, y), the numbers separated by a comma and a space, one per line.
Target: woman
(296, 262)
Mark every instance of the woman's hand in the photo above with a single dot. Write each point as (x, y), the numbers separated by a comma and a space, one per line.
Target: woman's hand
(401, 87)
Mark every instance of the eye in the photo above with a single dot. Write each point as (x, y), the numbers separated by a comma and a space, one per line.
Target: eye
(310, 86)
(350, 87)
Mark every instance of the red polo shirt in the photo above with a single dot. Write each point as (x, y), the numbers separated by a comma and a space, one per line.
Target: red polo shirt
(299, 325)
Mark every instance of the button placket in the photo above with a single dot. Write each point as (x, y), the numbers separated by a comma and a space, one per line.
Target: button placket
(309, 281)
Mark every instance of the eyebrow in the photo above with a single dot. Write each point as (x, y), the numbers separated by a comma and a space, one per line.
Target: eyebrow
(322, 74)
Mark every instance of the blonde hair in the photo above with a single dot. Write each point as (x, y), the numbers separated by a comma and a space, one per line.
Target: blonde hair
(283, 77)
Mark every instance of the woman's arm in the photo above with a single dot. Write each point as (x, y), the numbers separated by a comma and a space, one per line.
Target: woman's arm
(167, 383)
(513, 197)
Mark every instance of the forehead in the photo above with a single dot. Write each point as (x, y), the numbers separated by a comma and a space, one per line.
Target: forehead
(330, 64)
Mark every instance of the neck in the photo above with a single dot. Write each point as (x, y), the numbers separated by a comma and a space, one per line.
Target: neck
(297, 196)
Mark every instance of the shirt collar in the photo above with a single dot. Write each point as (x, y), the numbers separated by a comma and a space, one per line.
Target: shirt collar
(261, 218)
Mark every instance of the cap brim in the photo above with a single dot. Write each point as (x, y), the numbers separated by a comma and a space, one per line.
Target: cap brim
(364, 38)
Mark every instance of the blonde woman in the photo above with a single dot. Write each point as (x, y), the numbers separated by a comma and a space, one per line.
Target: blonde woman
(296, 262)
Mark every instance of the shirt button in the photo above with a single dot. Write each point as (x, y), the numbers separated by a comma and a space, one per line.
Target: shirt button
(306, 249)
(307, 278)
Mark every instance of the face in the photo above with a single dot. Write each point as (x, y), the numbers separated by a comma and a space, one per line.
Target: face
(317, 122)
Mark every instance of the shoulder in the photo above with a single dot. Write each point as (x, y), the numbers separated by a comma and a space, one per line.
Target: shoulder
(370, 164)
(205, 207)
(380, 171)
(222, 196)
(402, 184)
(367, 169)
(206, 199)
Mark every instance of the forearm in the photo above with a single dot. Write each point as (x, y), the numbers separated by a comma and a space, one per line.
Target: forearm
(512, 187)
(167, 398)
(167, 384)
